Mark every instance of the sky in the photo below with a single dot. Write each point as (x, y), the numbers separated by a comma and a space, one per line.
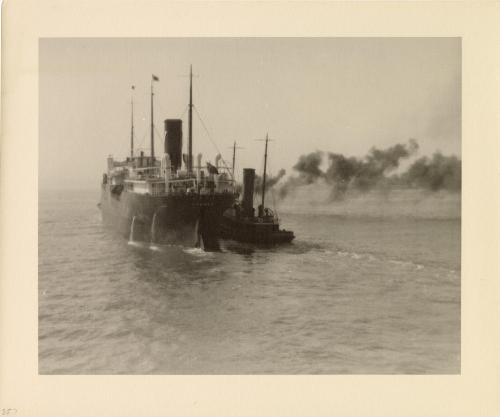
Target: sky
(343, 95)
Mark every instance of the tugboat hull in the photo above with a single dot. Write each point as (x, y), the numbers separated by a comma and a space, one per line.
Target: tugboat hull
(254, 232)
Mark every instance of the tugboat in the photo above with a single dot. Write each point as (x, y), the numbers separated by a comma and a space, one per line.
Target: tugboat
(158, 200)
(240, 223)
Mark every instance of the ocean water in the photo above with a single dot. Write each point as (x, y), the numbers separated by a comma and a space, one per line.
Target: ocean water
(351, 295)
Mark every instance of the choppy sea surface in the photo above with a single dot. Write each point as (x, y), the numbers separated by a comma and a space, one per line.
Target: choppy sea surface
(351, 295)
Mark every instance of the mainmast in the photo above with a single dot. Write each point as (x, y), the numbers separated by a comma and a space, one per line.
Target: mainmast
(264, 175)
(132, 124)
(190, 122)
(153, 78)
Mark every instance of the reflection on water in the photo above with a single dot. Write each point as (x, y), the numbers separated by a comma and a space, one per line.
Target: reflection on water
(348, 296)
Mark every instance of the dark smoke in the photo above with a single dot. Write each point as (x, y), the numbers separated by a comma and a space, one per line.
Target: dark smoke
(309, 171)
(376, 170)
(365, 174)
(439, 173)
(270, 181)
(308, 167)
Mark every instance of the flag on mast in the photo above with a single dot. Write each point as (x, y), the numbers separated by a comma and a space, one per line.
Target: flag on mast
(155, 78)
(212, 169)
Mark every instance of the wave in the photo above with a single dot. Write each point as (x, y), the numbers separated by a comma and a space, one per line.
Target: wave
(405, 264)
(197, 252)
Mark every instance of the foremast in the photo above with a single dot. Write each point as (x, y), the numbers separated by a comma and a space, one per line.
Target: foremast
(132, 124)
(153, 79)
(190, 122)
(264, 174)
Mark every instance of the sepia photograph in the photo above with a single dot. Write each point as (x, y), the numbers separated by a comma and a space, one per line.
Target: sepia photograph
(249, 206)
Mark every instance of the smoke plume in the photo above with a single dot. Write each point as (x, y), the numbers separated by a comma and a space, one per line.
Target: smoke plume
(374, 185)
(270, 181)
(367, 173)
(377, 170)
(308, 167)
(439, 173)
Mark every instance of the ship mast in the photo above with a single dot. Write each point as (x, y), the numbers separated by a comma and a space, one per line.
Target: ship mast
(264, 175)
(234, 156)
(234, 147)
(190, 122)
(153, 79)
(152, 125)
(132, 124)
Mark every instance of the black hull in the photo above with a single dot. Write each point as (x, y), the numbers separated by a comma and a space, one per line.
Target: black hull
(254, 233)
(187, 219)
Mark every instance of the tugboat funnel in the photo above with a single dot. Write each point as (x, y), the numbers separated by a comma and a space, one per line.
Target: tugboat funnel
(248, 184)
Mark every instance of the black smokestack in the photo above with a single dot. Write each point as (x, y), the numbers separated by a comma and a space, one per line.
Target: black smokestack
(173, 141)
(248, 184)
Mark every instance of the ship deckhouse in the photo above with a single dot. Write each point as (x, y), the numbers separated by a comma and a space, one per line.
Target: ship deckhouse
(174, 173)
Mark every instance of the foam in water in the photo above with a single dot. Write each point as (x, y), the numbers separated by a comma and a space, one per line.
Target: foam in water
(135, 244)
(131, 236)
(196, 251)
(153, 229)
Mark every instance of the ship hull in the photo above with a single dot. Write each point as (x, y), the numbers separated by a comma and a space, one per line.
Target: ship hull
(187, 219)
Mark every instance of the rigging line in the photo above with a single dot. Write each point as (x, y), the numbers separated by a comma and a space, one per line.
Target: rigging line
(157, 103)
(143, 139)
(157, 132)
(211, 140)
(185, 110)
(141, 143)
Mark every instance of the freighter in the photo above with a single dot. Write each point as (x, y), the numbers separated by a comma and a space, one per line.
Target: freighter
(167, 200)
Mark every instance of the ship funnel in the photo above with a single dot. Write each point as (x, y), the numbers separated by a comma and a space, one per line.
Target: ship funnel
(217, 159)
(173, 142)
(248, 184)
